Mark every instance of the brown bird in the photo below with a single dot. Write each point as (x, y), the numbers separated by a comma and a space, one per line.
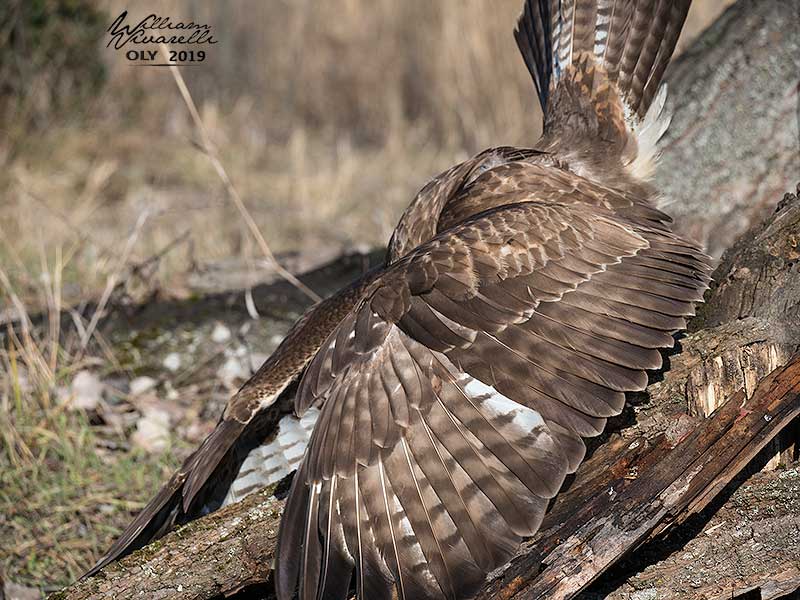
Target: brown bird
(525, 291)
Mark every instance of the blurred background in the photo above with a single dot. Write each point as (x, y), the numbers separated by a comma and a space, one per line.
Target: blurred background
(328, 117)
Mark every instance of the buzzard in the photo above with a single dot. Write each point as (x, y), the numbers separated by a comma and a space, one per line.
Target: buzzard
(525, 291)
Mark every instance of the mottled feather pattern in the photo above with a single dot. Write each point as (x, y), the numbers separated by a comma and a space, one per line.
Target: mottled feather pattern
(466, 352)
(520, 181)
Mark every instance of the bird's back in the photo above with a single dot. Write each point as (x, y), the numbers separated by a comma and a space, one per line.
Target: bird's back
(597, 67)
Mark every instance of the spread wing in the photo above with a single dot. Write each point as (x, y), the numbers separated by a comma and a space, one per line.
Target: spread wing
(455, 395)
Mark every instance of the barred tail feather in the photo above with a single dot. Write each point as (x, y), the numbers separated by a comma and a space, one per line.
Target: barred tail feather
(597, 66)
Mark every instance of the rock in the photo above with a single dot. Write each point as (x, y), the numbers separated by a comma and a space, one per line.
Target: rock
(86, 392)
(234, 368)
(171, 392)
(152, 430)
(220, 334)
(239, 365)
(140, 385)
(172, 361)
(14, 591)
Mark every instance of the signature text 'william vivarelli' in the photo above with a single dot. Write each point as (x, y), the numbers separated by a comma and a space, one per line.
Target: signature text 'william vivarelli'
(154, 29)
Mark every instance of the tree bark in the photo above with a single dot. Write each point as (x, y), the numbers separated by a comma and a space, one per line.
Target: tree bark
(750, 545)
(221, 554)
(732, 147)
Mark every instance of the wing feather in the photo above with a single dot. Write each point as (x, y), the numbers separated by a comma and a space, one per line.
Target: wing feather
(503, 513)
(337, 566)
(455, 396)
(428, 455)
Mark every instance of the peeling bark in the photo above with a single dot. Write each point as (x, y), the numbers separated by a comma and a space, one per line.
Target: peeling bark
(751, 544)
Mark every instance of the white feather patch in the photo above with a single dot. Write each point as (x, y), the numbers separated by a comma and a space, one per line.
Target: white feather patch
(648, 133)
(495, 404)
(271, 462)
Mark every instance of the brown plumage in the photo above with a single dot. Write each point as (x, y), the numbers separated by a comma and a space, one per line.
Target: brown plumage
(525, 292)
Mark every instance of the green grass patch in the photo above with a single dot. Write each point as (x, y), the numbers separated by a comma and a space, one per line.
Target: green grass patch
(69, 481)
(66, 496)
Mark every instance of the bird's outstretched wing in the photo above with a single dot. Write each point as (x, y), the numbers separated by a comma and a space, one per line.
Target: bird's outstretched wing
(455, 395)
(205, 480)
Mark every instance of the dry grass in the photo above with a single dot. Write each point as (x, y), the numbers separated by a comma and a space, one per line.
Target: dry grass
(62, 492)
(327, 118)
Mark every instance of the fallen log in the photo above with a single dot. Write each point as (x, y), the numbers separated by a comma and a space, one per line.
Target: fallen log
(748, 549)
(641, 493)
(216, 556)
(627, 492)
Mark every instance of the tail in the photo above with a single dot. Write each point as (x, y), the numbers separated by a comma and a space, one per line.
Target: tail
(597, 66)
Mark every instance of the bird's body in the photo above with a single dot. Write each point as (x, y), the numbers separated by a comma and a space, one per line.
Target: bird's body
(525, 291)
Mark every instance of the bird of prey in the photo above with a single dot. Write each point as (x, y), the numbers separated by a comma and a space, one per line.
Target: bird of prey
(525, 291)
